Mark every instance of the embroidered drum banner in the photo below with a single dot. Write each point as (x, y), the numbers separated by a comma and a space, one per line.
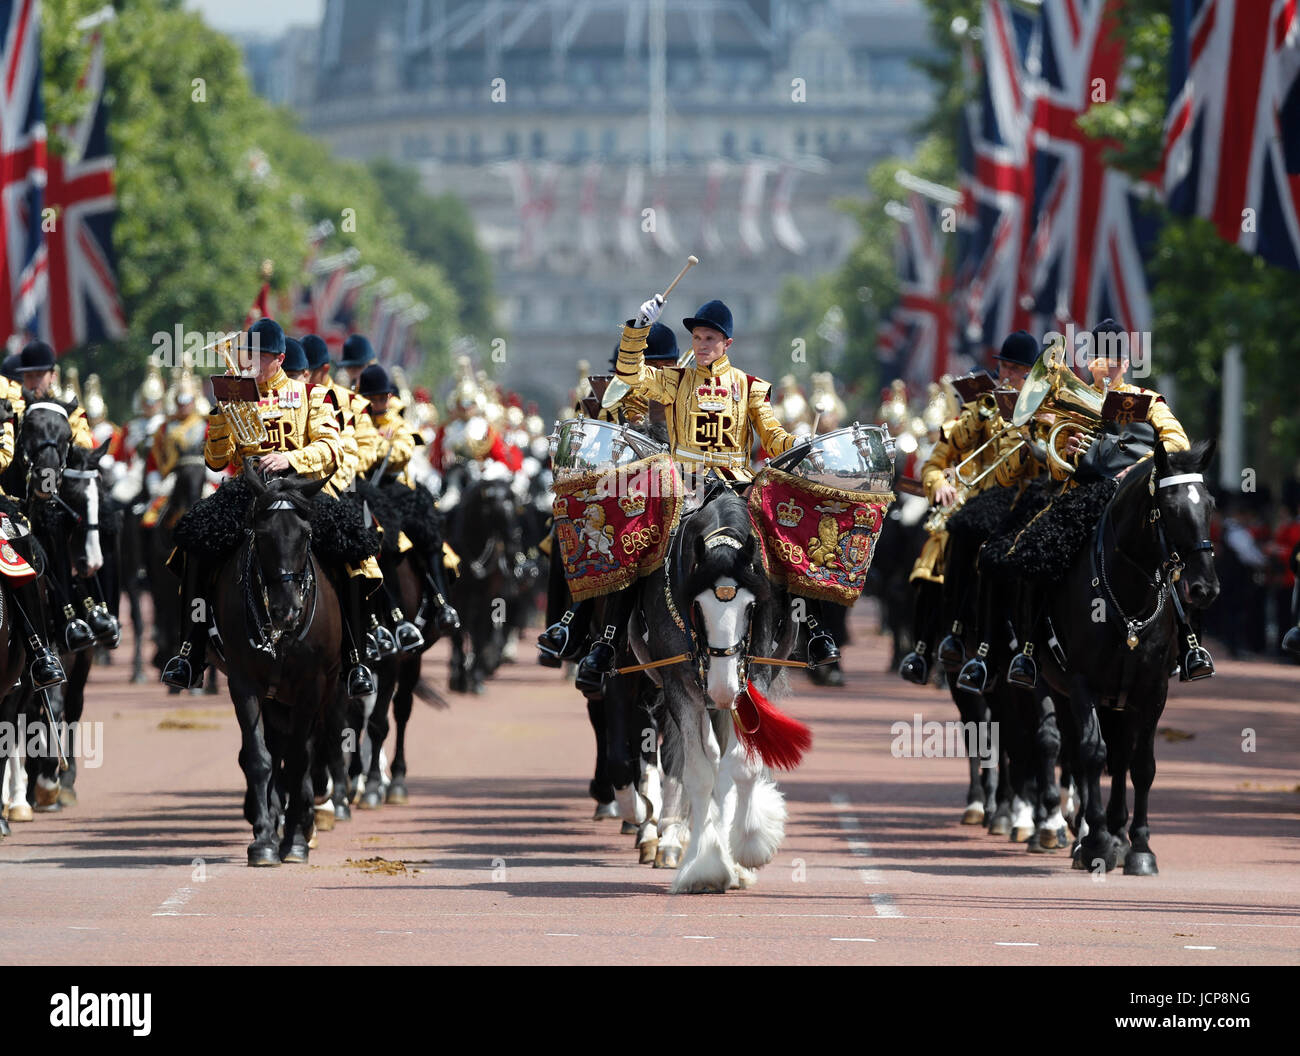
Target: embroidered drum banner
(817, 540)
(612, 525)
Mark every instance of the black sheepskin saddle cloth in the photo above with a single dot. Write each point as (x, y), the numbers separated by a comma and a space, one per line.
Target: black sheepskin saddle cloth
(981, 514)
(1045, 547)
(214, 527)
(401, 509)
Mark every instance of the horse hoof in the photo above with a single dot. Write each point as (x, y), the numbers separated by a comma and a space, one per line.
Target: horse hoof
(261, 854)
(1050, 839)
(313, 843)
(397, 795)
(325, 817)
(52, 807)
(21, 812)
(342, 812)
(4, 829)
(1140, 863)
(628, 828)
(668, 858)
(295, 854)
(47, 798)
(1092, 855)
(605, 811)
(371, 801)
(974, 815)
(68, 796)
(1021, 833)
(650, 852)
(1000, 825)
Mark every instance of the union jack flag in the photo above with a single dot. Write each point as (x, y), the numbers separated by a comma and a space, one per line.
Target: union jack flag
(1232, 134)
(84, 304)
(925, 285)
(995, 162)
(22, 165)
(1088, 234)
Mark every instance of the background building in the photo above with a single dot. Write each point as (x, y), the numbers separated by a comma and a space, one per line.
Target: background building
(598, 142)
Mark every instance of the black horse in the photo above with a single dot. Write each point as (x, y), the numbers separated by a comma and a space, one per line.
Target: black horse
(484, 530)
(189, 478)
(1116, 623)
(280, 625)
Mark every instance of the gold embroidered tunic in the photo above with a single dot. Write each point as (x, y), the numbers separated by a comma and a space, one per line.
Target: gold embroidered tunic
(716, 410)
(298, 422)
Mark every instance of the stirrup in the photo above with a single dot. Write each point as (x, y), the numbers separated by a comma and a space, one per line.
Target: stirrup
(914, 668)
(1291, 641)
(1197, 663)
(974, 675)
(822, 650)
(104, 625)
(952, 653)
(180, 672)
(46, 671)
(590, 679)
(408, 636)
(1023, 670)
(384, 640)
(361, 680)
(77, 635)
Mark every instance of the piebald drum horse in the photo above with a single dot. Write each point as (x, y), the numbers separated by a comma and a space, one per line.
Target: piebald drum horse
(712, 600)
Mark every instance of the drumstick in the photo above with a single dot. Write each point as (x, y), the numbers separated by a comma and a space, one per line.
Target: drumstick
(691, 261)
(618, 388)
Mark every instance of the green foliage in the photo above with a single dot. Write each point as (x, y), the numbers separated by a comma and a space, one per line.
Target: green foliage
(211, 180)
(440, 229)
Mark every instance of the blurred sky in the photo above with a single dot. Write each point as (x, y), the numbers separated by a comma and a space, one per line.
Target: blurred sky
(259, 16)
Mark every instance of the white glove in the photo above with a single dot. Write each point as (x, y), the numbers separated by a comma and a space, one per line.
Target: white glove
(650, 311)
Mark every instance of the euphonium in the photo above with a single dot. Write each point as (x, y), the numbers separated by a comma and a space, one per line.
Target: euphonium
(1053, 389)
(244, 416)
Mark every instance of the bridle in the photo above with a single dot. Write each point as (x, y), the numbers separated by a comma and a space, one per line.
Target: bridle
(60, 446)
(256, 584)
(1167, 574)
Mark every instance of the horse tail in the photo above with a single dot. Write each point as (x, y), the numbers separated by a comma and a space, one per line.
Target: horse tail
(426, 693)
(767, 732)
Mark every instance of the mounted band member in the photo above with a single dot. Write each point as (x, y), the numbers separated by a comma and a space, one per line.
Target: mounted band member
(37, 369)
(972, 438)
(1126, 424)
(16, 554)
(301, 436)
(715, 412)
(569, 624)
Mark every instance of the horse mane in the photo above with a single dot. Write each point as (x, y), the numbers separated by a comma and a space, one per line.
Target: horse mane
(727, 514)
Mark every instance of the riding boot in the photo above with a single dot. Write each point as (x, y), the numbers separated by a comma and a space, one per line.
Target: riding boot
(974, 675)
(598, 663)
(384, 640)
(446, 619)
(821, 646)
(46, 671)
(406, 634)
(915, 666)
(360, 679)
(565, 639)
(952, 652)
(1291, 641)
(1197, 663)
(106, 629)
(185, 669)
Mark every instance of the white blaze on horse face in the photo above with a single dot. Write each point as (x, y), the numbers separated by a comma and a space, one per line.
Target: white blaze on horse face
(725, 625)
(94, 555)
(1193, 496)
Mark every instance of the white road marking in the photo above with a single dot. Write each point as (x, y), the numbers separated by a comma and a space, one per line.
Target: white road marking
(883, 904)
(697, 936)
(853, 940)
(562, 934)
(1015, 944)
(176, 900)
(1200, 947)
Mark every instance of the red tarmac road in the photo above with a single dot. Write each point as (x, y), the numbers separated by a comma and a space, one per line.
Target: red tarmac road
(496, 859)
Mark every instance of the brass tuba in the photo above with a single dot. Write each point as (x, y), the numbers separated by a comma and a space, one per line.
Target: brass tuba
(1054, 389)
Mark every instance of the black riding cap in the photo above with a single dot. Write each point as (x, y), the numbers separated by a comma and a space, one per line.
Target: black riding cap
(1020, 347)
(374, 381)
(37, 356)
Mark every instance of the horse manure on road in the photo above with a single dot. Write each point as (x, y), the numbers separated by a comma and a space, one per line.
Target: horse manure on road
(380, 865)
